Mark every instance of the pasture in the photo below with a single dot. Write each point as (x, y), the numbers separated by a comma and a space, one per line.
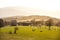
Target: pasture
(30, 33)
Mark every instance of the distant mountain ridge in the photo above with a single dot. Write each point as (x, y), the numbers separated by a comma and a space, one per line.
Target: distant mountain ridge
(29, 18)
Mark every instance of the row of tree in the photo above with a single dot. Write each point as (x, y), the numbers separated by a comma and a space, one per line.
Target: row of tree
(32, 23)
(4, 23)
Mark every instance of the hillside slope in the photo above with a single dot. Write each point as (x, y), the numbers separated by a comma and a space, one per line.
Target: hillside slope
(29, 18)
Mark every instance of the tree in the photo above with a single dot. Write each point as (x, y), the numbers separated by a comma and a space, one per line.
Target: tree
(13, 22)
(5, 22)
(41, 23)
(15, 30)
(33, 22)
(49, 23)
(1, 23)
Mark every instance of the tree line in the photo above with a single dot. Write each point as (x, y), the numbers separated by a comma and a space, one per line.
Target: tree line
(48, 23)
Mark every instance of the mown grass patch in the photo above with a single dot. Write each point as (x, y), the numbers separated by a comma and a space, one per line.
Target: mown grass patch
(26, 33)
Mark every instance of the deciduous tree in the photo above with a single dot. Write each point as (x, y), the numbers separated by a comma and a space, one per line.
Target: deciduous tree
(49, 23)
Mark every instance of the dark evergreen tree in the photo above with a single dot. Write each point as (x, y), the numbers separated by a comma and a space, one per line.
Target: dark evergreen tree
(1, 23)
(13, 22)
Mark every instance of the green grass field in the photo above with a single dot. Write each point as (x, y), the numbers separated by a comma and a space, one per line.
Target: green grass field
(26, 33)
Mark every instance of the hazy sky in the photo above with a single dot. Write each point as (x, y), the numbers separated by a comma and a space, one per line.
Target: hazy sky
(41, 4)
(50, 5)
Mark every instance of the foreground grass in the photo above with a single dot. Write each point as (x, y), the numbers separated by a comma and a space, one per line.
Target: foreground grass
(26, 33)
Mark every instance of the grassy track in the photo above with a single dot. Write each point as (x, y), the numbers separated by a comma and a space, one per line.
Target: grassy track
(26, 33)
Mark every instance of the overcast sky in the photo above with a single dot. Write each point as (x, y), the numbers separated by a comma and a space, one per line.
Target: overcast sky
(49, 5)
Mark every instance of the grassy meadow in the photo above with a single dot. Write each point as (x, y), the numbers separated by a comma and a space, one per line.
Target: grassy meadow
(26, 33)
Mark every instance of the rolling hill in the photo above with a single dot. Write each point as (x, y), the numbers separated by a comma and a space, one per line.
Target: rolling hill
(29, 18)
